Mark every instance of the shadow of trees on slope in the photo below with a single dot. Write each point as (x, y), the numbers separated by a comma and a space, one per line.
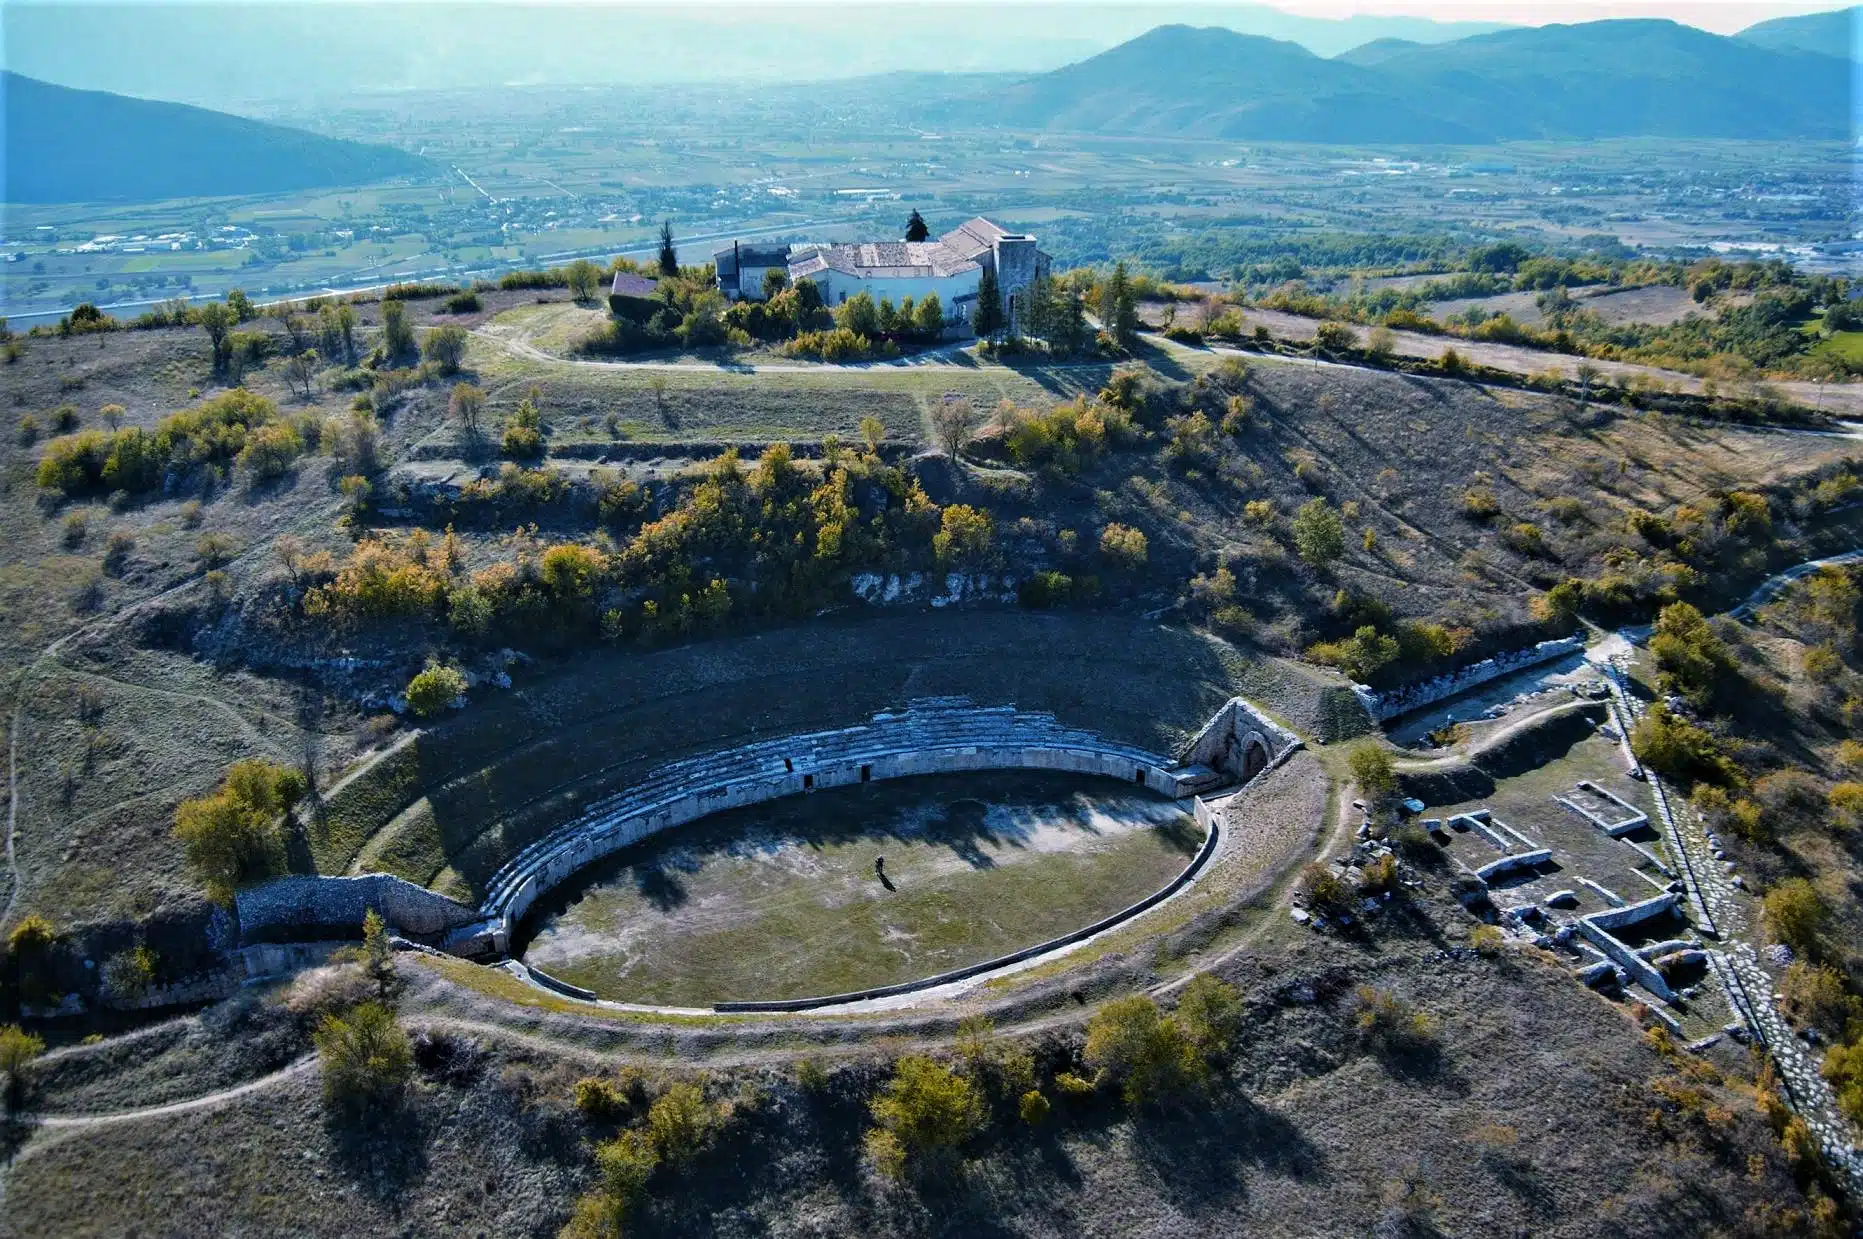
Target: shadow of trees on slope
(927, 811)
(1197, 1158)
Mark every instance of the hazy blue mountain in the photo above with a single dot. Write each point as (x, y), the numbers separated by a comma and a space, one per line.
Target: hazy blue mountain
(66, 145)
(1647, 78)
(1377, 51)
(1838, 33)
(1216, 83)
(1599, 79)
(213, 53)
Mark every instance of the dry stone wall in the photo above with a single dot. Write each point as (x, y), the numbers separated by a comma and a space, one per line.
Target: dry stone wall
(286, 907)
(1385, 706)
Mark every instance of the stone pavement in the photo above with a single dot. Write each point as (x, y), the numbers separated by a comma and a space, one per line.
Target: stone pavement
(1736, 965)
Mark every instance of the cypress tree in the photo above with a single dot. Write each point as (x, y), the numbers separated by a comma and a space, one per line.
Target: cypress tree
(669, 256)
(989, 317)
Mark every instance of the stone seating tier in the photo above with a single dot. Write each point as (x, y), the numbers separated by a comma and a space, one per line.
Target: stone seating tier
(931, 736)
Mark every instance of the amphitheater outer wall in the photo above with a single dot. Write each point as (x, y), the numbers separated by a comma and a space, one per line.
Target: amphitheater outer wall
(593, 840)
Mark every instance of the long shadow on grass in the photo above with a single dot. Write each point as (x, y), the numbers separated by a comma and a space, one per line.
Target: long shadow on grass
(384, 1153)
(1197, 1156)
(897, 814)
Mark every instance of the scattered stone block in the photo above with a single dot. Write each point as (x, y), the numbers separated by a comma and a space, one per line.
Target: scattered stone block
(1562, 899)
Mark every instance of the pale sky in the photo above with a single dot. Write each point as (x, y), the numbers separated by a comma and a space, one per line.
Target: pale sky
(1720, 16)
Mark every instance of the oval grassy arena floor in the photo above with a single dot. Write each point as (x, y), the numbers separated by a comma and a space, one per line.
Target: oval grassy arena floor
(782, 900)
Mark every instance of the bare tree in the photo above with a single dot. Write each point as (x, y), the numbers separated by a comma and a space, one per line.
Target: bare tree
(1587, 375)
(297, 331)
(301, 372)
(658, 383)
(467, 404)
(954, 422)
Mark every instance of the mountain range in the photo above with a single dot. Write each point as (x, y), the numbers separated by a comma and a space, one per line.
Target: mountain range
(1632, 78)
(288, 49)
(1838, 33)
(65, 145)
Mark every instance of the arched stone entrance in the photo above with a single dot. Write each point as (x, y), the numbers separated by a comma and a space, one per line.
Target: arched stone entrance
(1254, 759)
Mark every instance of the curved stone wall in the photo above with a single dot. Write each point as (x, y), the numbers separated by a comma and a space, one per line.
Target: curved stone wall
(931, 736)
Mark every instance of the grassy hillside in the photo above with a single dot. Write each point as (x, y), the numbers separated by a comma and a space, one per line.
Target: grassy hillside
(66, 145)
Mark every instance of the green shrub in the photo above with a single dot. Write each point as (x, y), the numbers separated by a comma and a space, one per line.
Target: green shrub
(1373, 771)
(235, 836)
(1064, 439)
(625, 1163)
(214, 549)
(269, 451)
(1003, 1067)
(966, 537)
(680, 1122)
(117, 548)
(1335, 337)
(1033, 1107)
(434, 689)
(1211, 1012)
(598, 1098)
(1487, 941)
(1124, 547)
(1071, 1085)
(1148, 1054)
(31, 934)
(1796, 915)
(397, 332)
(1479, 504)
(925, 1113)
(17, 1050)
(445, 347)
(1390, 1025)
(1690, 658)
(523, 437)
(1677, 749)
(129, 974)
(1378, 875)
(839, 345)
(1360, 656)
(1843, 1067)
(1319, 536)
(367, 1058)
(1323, 890)
(1817, 996)
(1045, 590)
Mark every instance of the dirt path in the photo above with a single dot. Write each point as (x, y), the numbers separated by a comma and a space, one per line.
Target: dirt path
(31, 669)
(206, 1101)
(934, 358)
(1841, 399)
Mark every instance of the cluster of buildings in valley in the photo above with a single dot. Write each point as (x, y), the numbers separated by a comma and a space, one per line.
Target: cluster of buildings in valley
(951, 267)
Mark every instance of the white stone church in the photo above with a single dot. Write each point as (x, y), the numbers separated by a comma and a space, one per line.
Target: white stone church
(950, 266)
